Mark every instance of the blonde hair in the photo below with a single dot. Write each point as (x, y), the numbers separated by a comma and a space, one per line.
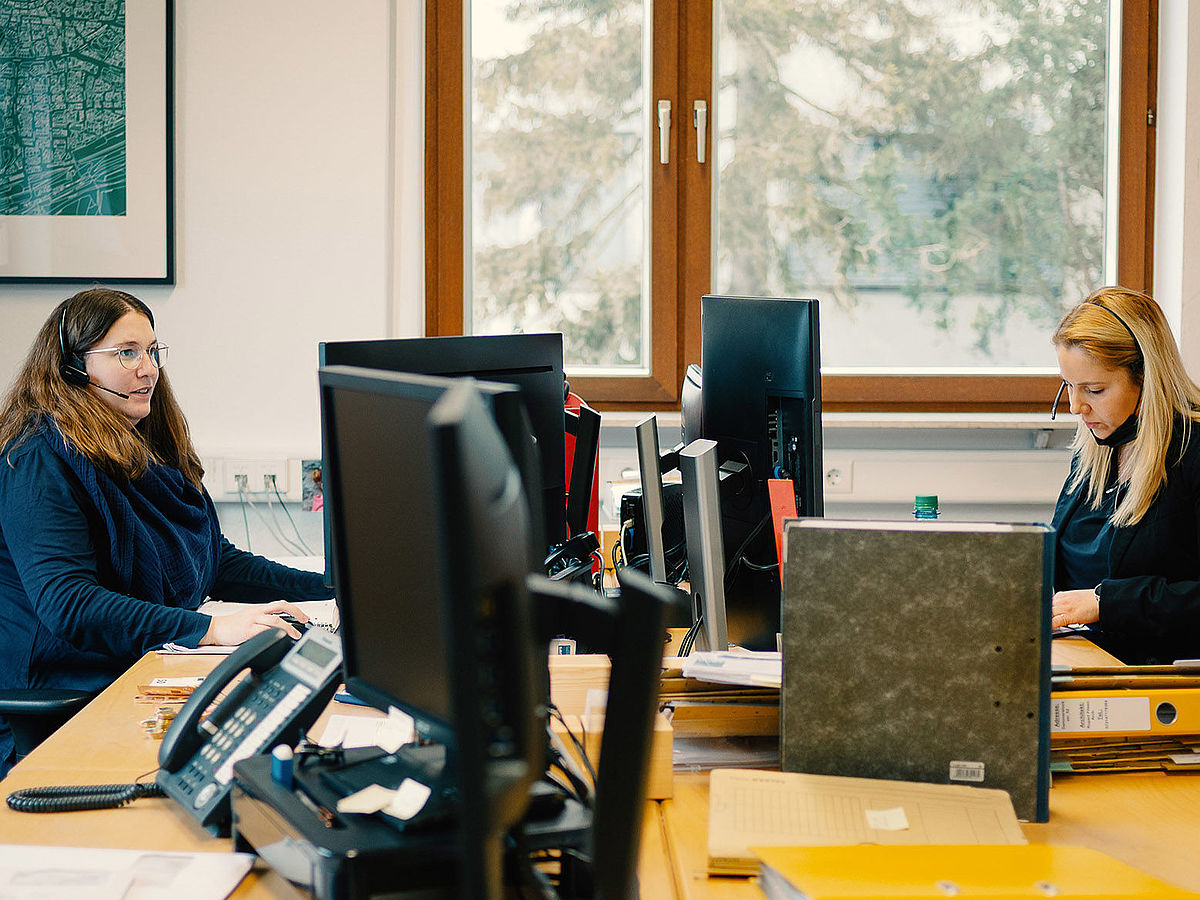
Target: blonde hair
(86, 423)
(1125, 329)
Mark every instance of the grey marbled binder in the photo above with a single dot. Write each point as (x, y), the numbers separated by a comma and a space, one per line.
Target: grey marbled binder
(919, 651)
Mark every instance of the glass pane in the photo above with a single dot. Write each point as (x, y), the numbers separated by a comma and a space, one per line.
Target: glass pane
(934, 171)
(557, 165)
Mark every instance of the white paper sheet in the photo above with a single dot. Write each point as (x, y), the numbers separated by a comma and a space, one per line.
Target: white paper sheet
(79, 873)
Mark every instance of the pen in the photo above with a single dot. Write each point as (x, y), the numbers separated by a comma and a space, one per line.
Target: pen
(327, 816)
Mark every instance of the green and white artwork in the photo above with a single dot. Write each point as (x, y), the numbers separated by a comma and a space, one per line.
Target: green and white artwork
(63, 108)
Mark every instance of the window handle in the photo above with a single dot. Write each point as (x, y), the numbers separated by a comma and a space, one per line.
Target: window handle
(664, 131)
(700, 122)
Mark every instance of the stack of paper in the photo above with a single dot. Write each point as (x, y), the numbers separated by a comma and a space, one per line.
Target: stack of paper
(748, 668)
(722, 694)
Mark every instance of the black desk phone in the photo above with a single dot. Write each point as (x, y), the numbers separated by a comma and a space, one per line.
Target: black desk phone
(288, 686)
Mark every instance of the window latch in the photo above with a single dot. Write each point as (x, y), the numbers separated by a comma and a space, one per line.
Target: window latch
(664, 131)
(700, 122)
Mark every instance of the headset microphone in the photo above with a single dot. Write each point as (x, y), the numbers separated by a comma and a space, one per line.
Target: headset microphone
(110, 390)
(72, 368)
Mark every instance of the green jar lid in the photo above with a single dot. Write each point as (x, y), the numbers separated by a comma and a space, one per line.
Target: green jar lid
(925, 506)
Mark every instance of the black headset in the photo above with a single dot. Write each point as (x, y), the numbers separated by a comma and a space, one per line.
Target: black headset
(72, 368)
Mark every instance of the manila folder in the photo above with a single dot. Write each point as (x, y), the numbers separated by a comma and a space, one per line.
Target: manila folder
(750, 808)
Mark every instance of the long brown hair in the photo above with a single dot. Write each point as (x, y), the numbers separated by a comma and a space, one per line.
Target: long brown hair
(1169, 401)
(88, 424)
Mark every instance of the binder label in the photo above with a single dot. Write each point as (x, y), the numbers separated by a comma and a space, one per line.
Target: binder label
(1099, 714)
(961, 770)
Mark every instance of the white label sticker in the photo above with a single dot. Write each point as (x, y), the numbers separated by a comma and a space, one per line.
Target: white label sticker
(961, 770)
(408, 800)
(887, 819)
(1088, 714)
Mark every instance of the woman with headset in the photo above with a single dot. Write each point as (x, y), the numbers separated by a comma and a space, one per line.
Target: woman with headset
(108, 540)
(1128, 519)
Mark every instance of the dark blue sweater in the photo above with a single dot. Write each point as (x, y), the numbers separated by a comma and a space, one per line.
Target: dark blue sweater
(95, 572)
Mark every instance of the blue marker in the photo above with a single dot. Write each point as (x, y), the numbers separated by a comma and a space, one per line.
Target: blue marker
(281, 766)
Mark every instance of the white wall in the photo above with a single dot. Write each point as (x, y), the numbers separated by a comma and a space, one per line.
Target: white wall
(1177, 191)
(299, 210)
(285, 215)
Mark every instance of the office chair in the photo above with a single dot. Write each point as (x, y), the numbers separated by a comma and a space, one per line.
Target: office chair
(34, 714)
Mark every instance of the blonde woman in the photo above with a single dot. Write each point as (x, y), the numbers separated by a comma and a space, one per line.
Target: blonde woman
(108, 540)
(1128, 519)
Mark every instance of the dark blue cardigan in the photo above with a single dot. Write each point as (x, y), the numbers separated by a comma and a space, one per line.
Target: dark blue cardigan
(1150, 601)
(96, 571)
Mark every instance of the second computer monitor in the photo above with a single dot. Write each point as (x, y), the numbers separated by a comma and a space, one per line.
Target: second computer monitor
(533, 362)
(761, 402)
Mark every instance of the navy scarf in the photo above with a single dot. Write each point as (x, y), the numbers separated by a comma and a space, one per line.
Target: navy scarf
(163, 537)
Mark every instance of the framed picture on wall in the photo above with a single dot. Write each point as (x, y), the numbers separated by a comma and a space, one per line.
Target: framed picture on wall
(86, 144)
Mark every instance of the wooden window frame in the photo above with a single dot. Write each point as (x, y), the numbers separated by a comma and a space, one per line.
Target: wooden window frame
(681, 237)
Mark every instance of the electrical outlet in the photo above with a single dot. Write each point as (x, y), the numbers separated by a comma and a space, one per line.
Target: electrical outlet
(839, 475)
(257, 475)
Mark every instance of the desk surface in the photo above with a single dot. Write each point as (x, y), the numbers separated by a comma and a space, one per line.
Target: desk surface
(105, 744)
(1150, 821)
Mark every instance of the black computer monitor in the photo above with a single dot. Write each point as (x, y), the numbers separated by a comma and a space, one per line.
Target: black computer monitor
(382, 500)
(481, 509)
(430, 526)
(533, 362)
(760, 394)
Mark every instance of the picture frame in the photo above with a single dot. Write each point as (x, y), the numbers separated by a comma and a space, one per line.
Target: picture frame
(86, 183)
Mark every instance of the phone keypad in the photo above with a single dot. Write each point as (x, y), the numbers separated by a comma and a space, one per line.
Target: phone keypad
(242, 735)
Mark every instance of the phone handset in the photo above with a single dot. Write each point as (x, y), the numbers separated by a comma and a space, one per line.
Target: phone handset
(288, 686)
(187, 732)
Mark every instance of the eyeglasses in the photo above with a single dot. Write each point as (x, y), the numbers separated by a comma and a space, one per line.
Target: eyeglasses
(131, 357)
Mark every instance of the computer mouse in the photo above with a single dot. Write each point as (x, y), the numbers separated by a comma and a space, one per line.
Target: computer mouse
(294, 622)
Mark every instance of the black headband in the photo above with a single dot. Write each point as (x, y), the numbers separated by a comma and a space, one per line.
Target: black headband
(1136, 345)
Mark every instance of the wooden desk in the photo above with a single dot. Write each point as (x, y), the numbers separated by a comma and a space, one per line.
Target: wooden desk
(104, 744)
(1150, 821)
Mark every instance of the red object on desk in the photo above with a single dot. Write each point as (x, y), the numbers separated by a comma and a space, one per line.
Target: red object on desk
(782, 494)
(593, 520)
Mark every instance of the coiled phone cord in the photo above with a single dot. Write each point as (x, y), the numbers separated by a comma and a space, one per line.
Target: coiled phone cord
(74, 798)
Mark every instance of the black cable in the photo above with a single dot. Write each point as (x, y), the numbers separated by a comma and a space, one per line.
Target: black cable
(79, 797)
(689, 639)
(283, 506)
(582, 790)
(738, 559)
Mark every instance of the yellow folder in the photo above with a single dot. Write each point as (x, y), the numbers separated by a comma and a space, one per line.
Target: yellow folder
(1117, 712)
(969, 870)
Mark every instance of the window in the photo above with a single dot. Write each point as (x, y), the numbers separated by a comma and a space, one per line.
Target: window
(943, 176)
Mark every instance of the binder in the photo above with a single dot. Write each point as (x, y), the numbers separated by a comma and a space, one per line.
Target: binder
(919, 651)
(1125, 712)
(982, 870)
